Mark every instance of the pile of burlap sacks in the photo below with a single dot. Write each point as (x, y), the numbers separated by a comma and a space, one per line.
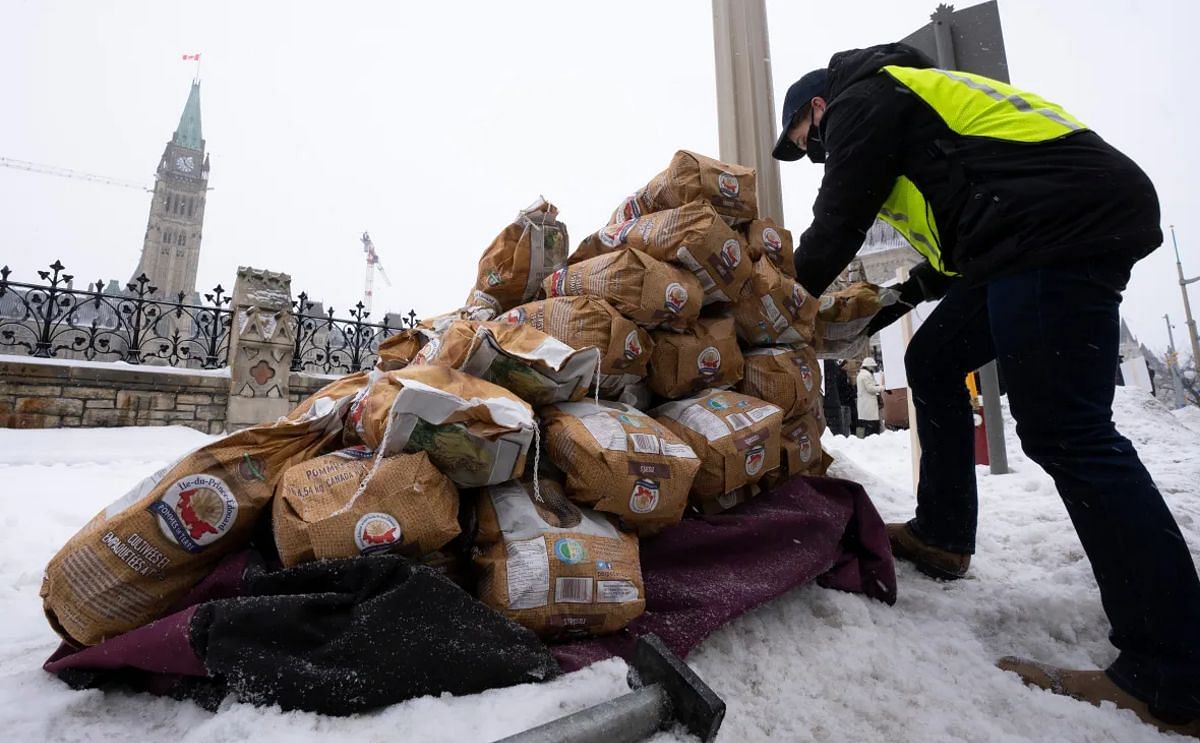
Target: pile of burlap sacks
(522, 444)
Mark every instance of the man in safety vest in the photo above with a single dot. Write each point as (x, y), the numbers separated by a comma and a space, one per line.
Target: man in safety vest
(1029, 224)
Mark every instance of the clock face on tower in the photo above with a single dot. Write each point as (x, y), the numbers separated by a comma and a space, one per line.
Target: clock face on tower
(185, 164)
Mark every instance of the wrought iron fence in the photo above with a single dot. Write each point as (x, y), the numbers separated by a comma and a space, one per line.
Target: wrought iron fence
(54, 320)
(328, 345)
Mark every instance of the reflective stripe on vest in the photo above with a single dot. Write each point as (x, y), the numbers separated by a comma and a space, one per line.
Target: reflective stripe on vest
(907, 211)
(977, 106)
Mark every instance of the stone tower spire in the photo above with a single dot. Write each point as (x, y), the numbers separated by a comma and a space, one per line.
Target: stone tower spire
(171, 249)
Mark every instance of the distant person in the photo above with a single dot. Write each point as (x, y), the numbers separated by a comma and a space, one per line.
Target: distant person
(868, 399)
(846, 392)
(1029, 223)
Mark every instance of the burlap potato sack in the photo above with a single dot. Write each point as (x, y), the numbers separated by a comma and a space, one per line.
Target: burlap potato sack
(475, 432)
(707, 356)
(581, 322)
(619, 460)
(774, 308)
(692, 177)
(558, 569)
(536, 367)
(135, 559)
(766, 238)
(693, 236)
(788, 376)
(398, 351)
(436, 325)
(736, 437)
(408, 507)
(648, 291)
(511, 270)
(802, 446)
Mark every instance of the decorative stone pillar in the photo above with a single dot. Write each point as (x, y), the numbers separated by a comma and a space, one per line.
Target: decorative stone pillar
(261, 345)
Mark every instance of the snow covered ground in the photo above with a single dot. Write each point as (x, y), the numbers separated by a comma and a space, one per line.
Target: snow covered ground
(815, 665)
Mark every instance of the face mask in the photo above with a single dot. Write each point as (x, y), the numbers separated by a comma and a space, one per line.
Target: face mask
(816, 147)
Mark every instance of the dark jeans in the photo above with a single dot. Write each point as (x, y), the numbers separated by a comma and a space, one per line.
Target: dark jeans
(1054, 333)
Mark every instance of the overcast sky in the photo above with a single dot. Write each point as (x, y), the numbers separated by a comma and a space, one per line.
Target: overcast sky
(431, 124)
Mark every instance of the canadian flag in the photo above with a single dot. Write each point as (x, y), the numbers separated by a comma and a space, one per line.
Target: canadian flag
(191, 57)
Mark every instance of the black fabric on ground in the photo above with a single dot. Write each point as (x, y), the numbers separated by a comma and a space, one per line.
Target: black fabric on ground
(364, 633)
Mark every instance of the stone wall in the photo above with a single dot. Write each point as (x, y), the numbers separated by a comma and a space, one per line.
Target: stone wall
(49, 393)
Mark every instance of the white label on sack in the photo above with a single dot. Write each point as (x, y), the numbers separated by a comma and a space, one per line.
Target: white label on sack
(677, 450)
(703, 422)
(606, 430)
(757, 414)
(573, 590)
(644, 443)
(738, 421)
(615, 591)
(528, 571)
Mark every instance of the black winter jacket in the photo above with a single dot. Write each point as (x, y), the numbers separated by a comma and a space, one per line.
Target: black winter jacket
(1000, 207)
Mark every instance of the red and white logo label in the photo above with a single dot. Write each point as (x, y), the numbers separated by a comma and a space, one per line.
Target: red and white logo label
(558, 283)
(771, 240)
(633, 346)
(755, 458)
(727, 184)
(709, 362)
(676, 298)
(376, 532)
(196, 511)
(644, 498)
(731, 253)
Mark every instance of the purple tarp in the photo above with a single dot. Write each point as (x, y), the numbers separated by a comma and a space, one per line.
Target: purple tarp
(699, 575)
(709, 570)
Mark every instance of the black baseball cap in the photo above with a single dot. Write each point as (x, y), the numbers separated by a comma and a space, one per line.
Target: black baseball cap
(798, 96)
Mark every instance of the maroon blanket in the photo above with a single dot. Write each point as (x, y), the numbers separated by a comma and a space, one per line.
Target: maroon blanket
(709, 570)
(699, 575)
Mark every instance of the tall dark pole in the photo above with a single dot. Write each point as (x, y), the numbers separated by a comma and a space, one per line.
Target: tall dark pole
(989, 377)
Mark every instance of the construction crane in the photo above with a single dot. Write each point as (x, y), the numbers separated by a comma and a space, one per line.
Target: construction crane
(373, 265)
(8, 162)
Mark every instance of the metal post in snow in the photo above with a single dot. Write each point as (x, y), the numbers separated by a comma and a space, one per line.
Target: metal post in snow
(989, 377)
(745, 99)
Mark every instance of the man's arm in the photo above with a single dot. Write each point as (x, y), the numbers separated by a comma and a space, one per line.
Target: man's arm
(862, 142)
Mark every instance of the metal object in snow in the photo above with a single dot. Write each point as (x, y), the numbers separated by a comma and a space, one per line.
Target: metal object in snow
(666, 691)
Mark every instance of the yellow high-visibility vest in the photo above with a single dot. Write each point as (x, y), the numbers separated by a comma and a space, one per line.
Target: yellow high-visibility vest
(973, 106)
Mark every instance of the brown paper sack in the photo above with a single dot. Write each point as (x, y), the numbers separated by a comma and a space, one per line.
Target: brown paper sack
(790, 377)
(648, 291)
(693, 236)
(511, 270)
(538, 368)
(774, 308)
(802, 452)
(556, 568)
(765, 237)
(691, 177)
(705, 357)
(621, 461)
(398, 351)
(586, 321)
(436, 325)
(135, 559)
(475, 432)
(735, 435)
(857, 301)
(408, 507)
